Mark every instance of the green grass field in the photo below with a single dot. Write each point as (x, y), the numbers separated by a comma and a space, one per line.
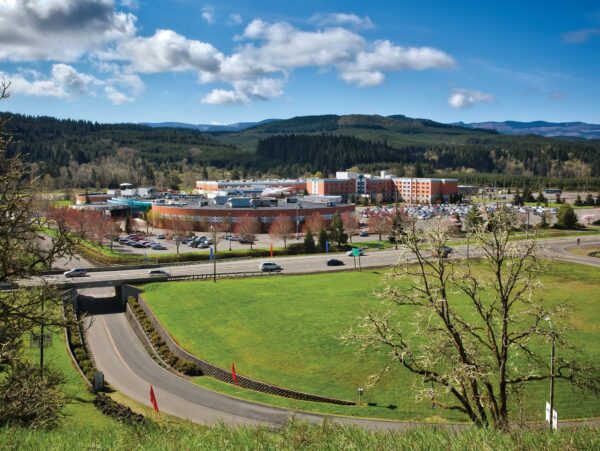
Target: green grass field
(80, 410)
(286, 331)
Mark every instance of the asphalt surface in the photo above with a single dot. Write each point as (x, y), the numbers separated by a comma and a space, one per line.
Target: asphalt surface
(128, 368)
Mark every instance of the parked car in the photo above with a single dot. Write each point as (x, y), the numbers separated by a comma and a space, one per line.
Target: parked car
(158, 273)
(363, 234)
(246, 240)
(203, 245)
(443, 252)
(138, 245)
(335, 262)
(270, 267)
(7, 285)
(75, 272)
(158, 247)
(360, 252)
(161, 236)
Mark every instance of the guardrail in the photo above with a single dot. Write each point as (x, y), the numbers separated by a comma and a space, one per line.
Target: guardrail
(219, 275)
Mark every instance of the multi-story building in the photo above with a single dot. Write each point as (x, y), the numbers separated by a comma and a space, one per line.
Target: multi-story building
(408, 189)
(210, 188)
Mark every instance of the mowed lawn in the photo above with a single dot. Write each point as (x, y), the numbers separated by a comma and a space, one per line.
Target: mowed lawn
(285, 331)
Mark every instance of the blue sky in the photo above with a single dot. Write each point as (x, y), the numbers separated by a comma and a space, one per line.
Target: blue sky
(232, 61)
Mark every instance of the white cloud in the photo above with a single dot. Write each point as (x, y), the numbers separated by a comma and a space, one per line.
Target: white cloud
(208, 14)
(59, 30)
(117, 97)
(466, 98)
(131, 4)
(353, 20)
(63, 82)
(166, 51)
(234, 19)
(245, 92)
(580, 36)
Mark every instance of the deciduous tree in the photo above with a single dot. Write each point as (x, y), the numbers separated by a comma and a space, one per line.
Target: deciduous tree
(474, 356)
(282, 228)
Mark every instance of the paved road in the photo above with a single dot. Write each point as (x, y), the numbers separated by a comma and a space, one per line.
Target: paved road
(129, 369)
(556, 248)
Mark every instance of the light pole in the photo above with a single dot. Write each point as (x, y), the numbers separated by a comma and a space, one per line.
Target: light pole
(552, 358)
(297, 218)
(214, 233)
(229, 232)
(360, 392)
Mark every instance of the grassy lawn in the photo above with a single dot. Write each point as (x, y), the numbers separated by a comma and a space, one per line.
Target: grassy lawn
(80, 411)
(584, 250)
(286, 331)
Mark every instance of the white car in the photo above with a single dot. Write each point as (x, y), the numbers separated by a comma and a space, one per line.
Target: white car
(75, 272)
(158, 273)
(270, 267)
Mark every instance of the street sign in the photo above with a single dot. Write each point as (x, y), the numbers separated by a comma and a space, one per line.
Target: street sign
(34, 340)
(355, 252)
(554, 416)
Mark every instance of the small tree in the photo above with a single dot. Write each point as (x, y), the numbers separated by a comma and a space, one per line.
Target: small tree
(589, 199)
(473, 219)
(337, 230)
(578, 202)
(323, 238)
(350, 223)
(566, 217)
(282, 228)
(247, 227)
(380, 223)
(314, 223)
(180, 229)
(309, 243)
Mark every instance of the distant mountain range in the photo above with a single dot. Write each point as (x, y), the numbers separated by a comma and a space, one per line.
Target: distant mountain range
(542, 128)
(237, 127)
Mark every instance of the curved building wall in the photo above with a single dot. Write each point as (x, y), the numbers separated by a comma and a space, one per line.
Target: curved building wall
(204, 216)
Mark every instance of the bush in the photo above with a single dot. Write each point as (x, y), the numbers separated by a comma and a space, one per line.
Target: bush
(119, 412)
(160, 346)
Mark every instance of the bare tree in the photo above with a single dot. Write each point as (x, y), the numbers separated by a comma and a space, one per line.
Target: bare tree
(180, 229)
(481, 354)
(314, 223)
(27, 397)
(282, 228)
(380, 223)
(247, 227)
(351, 223)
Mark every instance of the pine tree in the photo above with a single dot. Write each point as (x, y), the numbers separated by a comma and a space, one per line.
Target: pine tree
(309, 243)
(566, 217)
(473, 218)
(337, 230)
(323, 238)
(578, 202)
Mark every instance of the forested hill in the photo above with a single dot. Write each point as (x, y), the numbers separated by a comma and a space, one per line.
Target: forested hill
(80, 153)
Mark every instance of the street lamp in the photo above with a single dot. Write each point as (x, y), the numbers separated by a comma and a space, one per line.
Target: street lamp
(214, 233)
(552, 358)
(297, 218)
(229, 232)
(360, 392)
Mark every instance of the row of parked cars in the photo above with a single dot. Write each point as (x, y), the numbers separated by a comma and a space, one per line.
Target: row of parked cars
(198, 242)
(139, 242)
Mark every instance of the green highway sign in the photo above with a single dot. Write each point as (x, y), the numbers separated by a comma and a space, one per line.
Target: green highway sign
(355, 252)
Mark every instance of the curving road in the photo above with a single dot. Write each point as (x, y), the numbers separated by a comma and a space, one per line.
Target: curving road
(129, 369)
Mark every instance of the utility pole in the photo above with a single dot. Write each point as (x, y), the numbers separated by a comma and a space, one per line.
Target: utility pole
(214, 233)
(552, 358)
(42, 341)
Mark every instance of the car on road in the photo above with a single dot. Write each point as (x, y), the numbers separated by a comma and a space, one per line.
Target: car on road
(361, 253)
(75, 272)
(270, 267)
(7, 285)
(335, 262)
(158, 273)
(363, 234)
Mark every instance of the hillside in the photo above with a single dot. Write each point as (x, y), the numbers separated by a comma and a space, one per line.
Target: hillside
(542, 128)
(68, 153)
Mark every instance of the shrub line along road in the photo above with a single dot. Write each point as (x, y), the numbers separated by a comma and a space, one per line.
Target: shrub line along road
(128, 368)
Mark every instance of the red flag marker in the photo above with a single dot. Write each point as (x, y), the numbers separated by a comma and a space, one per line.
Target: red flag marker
(153, 399)
(233, 375)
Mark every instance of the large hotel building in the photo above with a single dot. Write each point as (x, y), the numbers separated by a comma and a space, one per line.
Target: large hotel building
(346, 184)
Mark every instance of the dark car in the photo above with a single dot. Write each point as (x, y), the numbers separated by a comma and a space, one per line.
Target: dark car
(363, 234)
(443, 252)
(335, 262)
